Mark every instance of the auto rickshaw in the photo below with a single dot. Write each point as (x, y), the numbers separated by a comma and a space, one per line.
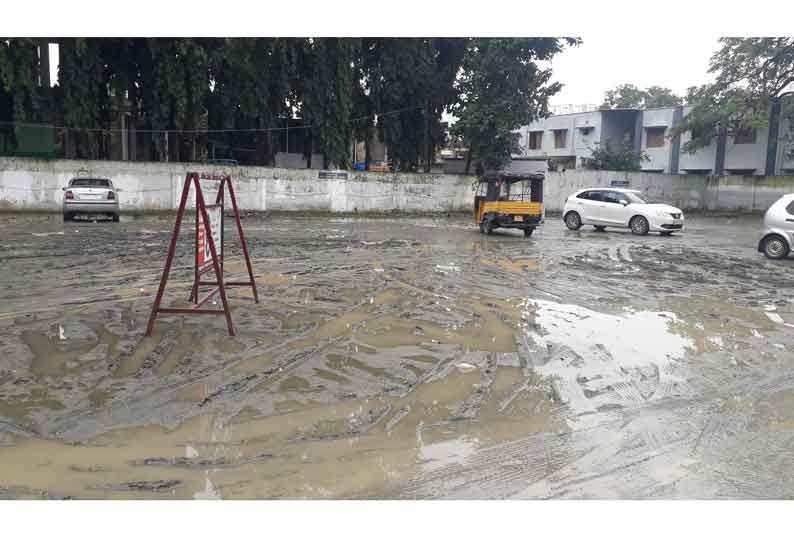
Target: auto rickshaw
(509, 201)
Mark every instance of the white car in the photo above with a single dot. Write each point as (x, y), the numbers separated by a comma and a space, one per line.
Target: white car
(620, 208)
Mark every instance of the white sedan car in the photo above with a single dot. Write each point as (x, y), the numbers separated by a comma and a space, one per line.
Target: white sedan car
(620, 208)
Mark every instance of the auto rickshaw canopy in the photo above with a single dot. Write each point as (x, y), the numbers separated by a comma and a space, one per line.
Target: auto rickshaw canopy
(501, 187)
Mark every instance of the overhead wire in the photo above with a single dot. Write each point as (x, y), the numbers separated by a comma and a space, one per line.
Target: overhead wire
(373, 116)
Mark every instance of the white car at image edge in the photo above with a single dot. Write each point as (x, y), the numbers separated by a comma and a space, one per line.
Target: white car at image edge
(620, 208)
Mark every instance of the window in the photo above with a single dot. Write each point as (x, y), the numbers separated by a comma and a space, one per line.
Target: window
(535, 141)
(91, 183)
(654, 137)
(633, 197)
(613, 197)
(744, 136)
(560, 139)
(592, 195)
(790, 208)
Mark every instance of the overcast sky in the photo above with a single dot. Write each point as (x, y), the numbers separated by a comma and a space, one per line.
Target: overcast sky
(611, 58)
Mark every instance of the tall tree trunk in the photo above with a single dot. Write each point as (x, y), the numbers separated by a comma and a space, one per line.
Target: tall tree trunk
(308, 143)
(468, 161)
(427, 151)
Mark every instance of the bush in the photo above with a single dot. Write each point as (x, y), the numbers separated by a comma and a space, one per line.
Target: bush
(615, 157)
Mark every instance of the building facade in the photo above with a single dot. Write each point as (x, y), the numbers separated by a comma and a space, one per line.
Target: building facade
(566, 141)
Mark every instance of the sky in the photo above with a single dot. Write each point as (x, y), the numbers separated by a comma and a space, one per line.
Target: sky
(610, 58)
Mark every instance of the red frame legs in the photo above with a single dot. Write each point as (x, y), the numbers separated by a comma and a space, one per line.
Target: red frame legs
(217, 256)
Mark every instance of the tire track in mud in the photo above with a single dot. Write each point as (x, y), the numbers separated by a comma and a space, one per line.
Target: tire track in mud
(654, 440)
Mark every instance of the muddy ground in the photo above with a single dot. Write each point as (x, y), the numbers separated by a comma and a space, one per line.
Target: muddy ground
(398, 358)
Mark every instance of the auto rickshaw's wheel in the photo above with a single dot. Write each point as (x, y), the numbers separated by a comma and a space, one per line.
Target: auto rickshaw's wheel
(528, 232)
(488, 225)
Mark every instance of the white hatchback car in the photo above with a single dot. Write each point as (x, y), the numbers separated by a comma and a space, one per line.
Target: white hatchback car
(620, 208)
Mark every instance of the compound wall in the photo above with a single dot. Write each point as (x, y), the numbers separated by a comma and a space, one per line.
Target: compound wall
(151, 186)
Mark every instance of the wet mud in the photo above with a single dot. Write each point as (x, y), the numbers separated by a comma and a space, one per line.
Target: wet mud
(397, 358)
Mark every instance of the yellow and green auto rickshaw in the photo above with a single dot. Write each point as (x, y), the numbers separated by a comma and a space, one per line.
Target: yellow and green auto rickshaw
(509, 201)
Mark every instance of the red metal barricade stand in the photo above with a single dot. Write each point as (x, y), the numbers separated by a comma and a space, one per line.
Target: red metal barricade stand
(208, 252)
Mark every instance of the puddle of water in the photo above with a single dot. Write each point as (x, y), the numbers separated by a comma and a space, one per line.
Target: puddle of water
(445, 453)
(331, 376)
(714, 325)
(54, 357)
(309, 450)
(512, 266)
(602, 359)
(254, 364)
(19, 407)
(348, 363)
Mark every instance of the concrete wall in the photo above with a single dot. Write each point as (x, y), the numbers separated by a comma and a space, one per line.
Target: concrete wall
(689, 192)
(37, 184)
(587, 134)
(659, 156)
(547, 126)
(684, 191)
(747, 155)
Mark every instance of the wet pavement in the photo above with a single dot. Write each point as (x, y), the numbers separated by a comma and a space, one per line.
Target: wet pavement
(398, 358)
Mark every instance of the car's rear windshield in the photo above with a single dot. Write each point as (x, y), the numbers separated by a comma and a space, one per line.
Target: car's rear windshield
(90, 183)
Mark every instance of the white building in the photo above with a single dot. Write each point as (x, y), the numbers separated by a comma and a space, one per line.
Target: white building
(567, 139)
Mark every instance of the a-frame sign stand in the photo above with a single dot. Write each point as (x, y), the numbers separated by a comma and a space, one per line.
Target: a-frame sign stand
(208, 255)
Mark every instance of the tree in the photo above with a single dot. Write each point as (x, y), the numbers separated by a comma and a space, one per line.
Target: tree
(22, 99)
(623, 96)
(254, 83)
(631, 97)
(19, 70)
(615, 157)
(82, 78)
(501, 88)
(751, 76)
(327, 101)
(657, 96)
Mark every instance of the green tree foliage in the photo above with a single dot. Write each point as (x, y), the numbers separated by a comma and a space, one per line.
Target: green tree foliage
(615, 157)
(750, 73)
(328, 95)
(83, 80)
(19, 71)
(253, 86)
(632, 97)
(501, 88)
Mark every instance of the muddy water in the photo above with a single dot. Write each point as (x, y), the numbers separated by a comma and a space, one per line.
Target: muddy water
(398, 358)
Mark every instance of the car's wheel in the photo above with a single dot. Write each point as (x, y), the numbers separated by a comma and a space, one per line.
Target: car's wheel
(775, 247)
(573, 220)
(67, 217)
(528, 232)
(600, 228)
(116, 218)
(666, 233)
(639, 225)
